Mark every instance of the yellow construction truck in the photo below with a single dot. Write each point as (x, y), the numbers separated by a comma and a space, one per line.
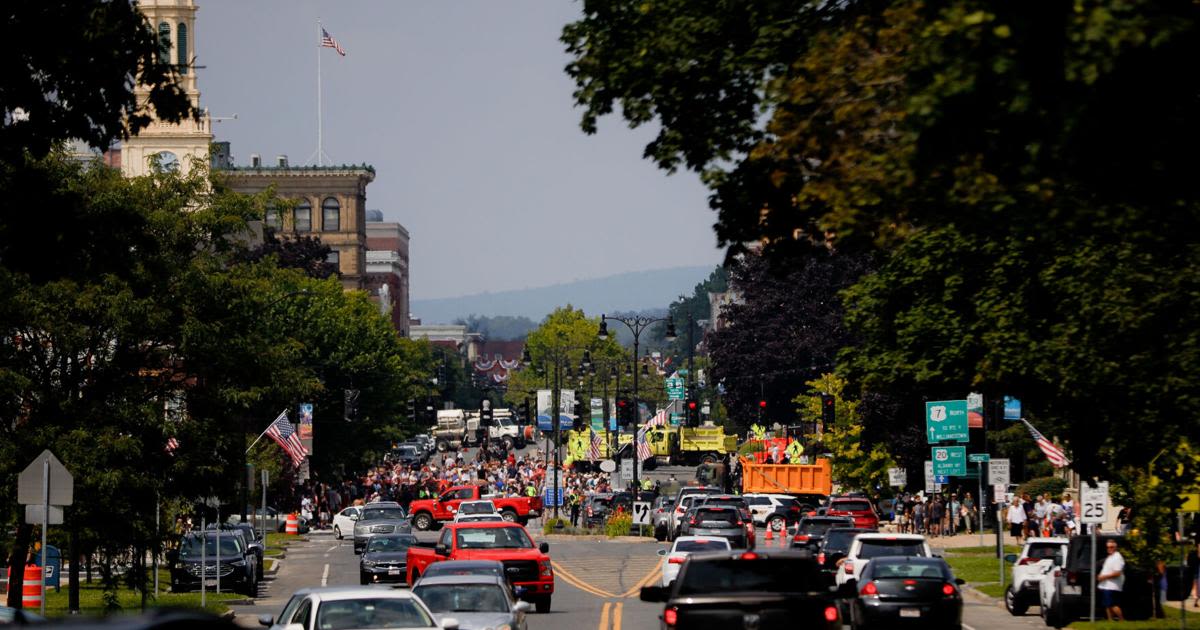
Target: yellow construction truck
(690, 445)
(578, 445)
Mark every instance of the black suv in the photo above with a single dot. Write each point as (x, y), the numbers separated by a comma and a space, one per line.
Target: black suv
(763, 590)
(811, 532)
(1072, 584)
(250, 539)
(235, 563)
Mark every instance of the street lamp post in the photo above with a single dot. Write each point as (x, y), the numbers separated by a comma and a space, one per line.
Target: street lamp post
(636, 325)
(558, 357)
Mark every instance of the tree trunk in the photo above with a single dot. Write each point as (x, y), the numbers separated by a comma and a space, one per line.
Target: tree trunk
(16, 562)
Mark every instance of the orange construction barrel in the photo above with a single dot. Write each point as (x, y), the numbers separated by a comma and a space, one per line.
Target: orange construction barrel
(31, 590)
(293, 525)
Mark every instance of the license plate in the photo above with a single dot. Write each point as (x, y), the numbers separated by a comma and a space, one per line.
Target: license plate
(212, 583)
(910, 612)
(393, 571)
(1071, 590)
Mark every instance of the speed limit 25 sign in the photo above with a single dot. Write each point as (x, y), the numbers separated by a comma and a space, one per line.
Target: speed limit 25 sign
(1093, 502)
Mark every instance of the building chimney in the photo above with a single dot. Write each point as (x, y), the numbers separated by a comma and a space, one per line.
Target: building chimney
(281, 160)
(255, 160)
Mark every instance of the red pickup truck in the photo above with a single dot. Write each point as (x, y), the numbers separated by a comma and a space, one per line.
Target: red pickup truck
(427, 513)
(524, 565)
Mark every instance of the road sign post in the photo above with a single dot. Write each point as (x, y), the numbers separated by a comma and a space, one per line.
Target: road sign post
(45, 482)
(1093, 510)
(946, 421)
(896, 477)
(950, 461)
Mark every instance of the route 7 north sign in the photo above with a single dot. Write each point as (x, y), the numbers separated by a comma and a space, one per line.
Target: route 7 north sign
(946, 421)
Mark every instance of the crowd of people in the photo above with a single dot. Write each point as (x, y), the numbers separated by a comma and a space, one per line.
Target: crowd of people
(936, 515)
(1028, 517)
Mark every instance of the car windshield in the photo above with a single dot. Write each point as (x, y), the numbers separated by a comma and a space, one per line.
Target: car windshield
(477, 508)
(818, 528)
(727, 517)
(877, 548)
(774, 575)
(836, 540)
(191, 546)
(700, 545)
(460, 598)
(851, 506)
(1045, 552)
(493, 538)
(407, 450)
(909, 569)
(450, 568)
(385, 544)
(365, 613)
(371, 514)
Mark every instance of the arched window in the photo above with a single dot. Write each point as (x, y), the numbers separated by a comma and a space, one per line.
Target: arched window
(273, 219)
(303, 217)
(164, 41)
(331, 215)
(181, 48)
(165, 162)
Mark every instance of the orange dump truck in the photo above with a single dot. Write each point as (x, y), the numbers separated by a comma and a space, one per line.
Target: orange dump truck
(787, 478)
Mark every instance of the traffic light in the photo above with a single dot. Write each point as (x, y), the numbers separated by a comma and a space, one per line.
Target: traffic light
(350, 405)
(693, 412)
(828, 411)
(624, 411)
(525, 411)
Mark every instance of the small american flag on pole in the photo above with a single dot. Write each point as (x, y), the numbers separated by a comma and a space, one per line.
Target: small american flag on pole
(643, 445)
(1057, 458)
(659, 419)
(594, 448)
(285, 436)
(327, 41)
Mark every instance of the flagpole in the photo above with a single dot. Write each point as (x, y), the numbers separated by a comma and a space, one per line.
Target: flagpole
(264, 431)
(320, 149)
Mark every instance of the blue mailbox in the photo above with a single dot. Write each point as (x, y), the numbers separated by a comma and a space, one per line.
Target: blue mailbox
(54, 560)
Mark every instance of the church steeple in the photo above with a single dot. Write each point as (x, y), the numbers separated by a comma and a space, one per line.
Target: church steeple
(174, 144)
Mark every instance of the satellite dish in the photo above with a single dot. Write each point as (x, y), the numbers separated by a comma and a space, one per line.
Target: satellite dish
(608, 466)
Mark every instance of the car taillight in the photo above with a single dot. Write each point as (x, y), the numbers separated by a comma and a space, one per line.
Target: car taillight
(821, 558)
(869, 589)
(749, 555)
(849, 567)
(675, 560)
(1025, 561)
(794, 508)
(671, 616)
(831, 614)
(544, 568)
(692, 522)
(1072, 577)
(948, 590)
(800, 538)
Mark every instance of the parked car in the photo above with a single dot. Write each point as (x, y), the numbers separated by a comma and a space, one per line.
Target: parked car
(835, 547)
(1029, 568)
(859, 509)
(723, 521)
(867, 546)
(684, 546)
(811, 532)
(375, 520)
(773, 589)
(474, 601)
(898, 590)
(1065, 595)
(330, 607)
(200, 557)
(385, 559)
(250, 539)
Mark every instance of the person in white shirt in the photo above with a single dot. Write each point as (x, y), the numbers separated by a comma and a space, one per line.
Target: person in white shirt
(1111, 581)
(1016, 517)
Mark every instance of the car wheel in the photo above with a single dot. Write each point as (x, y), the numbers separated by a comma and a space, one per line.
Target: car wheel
(542, 604)
(508, 515)
(508, 443)
(337, 531)
(660, 534)
(776, 524)
(1015, 604)
(443, 446)
(1051, 615)
(423, 521)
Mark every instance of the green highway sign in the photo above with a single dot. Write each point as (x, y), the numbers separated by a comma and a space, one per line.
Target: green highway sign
(949, 460)
(676, 388)
(946, 421)
(979, 458)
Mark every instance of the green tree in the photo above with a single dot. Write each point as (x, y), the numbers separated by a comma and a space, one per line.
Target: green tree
(857, 464)
(563, 335)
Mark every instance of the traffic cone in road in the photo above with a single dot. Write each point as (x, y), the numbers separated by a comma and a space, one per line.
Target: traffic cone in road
(769, 535)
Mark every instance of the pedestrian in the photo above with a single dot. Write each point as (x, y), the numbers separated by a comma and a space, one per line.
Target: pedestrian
(1193, 570)
(968, 511)
(1110, 582)
(1016, 519)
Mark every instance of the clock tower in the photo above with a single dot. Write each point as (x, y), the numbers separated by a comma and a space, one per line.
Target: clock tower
(175, 145)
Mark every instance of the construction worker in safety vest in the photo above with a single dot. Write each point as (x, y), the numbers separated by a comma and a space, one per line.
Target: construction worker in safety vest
(794, 452)
(647, 484)
(760, 433)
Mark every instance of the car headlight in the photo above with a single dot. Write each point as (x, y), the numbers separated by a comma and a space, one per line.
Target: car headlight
(238, 563)
(368, 563)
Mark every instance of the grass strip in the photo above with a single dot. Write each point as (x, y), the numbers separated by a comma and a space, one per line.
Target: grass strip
(92, 600)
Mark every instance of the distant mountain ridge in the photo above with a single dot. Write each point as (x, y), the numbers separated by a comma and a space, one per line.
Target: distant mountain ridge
(633, 291)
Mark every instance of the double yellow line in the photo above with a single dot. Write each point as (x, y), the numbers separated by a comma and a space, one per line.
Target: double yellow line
(615, 608)
(610, 611)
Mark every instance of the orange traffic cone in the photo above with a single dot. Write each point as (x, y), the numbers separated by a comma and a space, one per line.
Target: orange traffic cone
(769, 535)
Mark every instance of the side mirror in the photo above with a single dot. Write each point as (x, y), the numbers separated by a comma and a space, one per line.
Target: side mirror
(449, 623)
(358, 552)
(1011, 558)
(522, 607)
(959, 581)
(441, 550)
(654, 593)
(662, 552)
(354, 517)
(544, 547)
(265, 620)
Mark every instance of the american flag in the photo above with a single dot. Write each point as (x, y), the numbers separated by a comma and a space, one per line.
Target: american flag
(1057, 458)
(659, 419)
(172, 444)
(594, 449)
(643, 445)
(285, 436)
(327, 41)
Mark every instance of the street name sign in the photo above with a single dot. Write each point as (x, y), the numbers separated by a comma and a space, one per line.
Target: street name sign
(30, 486)
(998, 472)
(949, 460)
(1093, 502)
(946, 421)
(979, 458)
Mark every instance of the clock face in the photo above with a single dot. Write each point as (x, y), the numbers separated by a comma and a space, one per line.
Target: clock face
(165, 162)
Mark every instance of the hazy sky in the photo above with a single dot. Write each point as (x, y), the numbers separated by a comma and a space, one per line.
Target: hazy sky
(465, 112)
